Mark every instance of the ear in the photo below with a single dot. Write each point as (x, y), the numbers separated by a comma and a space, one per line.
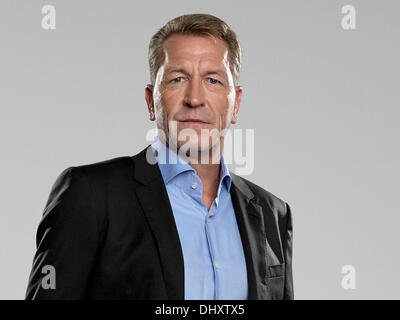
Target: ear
(238, 99)
(148, 93)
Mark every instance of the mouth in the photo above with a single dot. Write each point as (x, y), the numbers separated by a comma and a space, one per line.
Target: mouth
(193, 120)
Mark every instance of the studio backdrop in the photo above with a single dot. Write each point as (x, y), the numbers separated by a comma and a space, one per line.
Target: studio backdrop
(320, 94)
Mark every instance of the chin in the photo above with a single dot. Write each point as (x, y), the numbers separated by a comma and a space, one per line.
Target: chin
(199, 150)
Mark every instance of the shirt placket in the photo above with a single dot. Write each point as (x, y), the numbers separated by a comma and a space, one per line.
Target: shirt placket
(210, 241)
(195, 188)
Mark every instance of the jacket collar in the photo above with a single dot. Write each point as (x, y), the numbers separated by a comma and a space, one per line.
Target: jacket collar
(154, 199)
(171, 164)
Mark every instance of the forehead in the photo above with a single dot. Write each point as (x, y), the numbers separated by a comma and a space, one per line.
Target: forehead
(182, 48)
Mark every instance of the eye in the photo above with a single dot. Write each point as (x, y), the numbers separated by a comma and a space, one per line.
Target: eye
(213, 81)
(176, 80)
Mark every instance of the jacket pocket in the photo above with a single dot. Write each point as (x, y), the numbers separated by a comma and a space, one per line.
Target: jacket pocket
(276, 270)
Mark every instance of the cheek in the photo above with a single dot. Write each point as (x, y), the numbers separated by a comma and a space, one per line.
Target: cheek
(224, 112)
(170, 102)
(161, 113)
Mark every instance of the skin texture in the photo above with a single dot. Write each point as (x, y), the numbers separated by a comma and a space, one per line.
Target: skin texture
(195, 82)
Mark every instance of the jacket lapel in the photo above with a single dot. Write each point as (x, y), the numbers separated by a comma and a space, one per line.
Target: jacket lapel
(259, 254)
(153, 197)
(250, 220)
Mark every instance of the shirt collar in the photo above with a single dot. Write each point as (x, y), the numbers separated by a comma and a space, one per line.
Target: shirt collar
(171, 164)
(224, 175)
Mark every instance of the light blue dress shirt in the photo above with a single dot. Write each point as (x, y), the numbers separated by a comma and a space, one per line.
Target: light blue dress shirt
(214, 261)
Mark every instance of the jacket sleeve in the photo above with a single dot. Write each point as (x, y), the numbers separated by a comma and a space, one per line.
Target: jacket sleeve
(66, 240)
(288, 251)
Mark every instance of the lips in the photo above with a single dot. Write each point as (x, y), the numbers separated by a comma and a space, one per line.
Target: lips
(193, 120)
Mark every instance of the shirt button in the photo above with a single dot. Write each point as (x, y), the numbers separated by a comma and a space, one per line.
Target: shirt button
(208, 220)
(216, 265)
(194, 185)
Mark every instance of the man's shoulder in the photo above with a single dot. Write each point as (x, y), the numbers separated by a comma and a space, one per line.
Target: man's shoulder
(263, 196)
(121, 167)
(113, 166)
(99, 169)
(104, 166)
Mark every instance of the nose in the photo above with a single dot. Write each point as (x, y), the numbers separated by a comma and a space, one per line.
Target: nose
(194, 96)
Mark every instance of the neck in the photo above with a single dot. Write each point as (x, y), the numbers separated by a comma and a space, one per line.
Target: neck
(206, 163)
(208, 171)
(209, 174)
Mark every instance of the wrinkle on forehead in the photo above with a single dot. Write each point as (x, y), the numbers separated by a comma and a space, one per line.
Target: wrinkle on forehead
(197, 48)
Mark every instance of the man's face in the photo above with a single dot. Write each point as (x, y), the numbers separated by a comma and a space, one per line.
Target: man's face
(194, 90)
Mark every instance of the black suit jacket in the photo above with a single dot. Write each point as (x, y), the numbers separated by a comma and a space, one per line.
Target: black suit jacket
(109, 232)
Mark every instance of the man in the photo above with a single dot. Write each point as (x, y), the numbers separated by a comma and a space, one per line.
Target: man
(170, 222)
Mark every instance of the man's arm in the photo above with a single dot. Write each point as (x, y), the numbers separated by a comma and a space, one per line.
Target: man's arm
(288, 250)
(66, 240)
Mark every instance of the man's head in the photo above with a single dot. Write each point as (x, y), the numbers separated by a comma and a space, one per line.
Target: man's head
(194, 64)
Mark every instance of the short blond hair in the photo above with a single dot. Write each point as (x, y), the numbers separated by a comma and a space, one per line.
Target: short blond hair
(195, 24)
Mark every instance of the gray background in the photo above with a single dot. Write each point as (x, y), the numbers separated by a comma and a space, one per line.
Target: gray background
(324, 103)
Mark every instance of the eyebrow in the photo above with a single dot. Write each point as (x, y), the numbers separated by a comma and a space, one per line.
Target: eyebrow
(220, 72)
(177, 70)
